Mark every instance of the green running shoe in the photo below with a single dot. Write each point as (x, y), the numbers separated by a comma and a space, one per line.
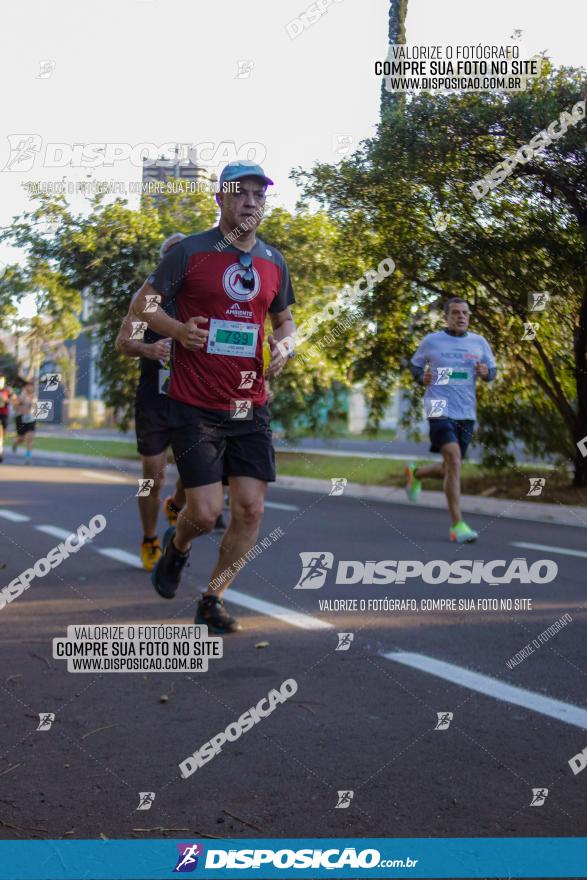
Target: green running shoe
(413, 486)
(462, 533)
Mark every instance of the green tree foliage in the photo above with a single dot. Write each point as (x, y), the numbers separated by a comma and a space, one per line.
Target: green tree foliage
(109, 250)
(527, 235)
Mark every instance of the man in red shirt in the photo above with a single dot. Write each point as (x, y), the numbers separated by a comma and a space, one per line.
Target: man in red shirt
(223, 282)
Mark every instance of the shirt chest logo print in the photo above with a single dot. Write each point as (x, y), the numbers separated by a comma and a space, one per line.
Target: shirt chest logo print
(232, 284)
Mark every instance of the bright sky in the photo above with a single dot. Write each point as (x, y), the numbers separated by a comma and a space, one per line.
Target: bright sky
(157, 71)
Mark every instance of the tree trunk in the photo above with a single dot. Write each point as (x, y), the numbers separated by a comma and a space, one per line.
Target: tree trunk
(396, 33)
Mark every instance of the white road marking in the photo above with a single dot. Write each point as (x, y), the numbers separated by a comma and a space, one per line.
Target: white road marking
(63, 534)
(564, 551)
(55, 531)
(491, 687)
(279, 506)
(100, 476)
(121, 556)
(295, 618)
(14, 517)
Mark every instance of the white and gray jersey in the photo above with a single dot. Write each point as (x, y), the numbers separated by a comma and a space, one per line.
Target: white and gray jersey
(453, 361)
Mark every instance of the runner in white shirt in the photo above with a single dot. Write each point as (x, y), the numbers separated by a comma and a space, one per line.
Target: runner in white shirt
(448, 363)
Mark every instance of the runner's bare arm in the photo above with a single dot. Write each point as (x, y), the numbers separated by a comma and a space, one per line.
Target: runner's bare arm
(189, 334)
(136, 347)
(283, 329)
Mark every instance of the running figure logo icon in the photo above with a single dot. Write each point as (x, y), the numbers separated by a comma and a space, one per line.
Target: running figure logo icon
(46, 719)
(539, 795)
(146, 799)
(537, 484)
(187, 860)
(145, 487)
(42, 410)
(344, 641)
(46, 68)
(152, 301)
(138, 329)
(444, 719)
(436, 408)
(529, 332)
(247, 379)
(344, 800)
(241, 409)
(441, 220)
(50, 381)
(315, 567)
(245, 66)
(343, 144)
(23, 151)
(443, 375)
(338, 484)
(538, 301)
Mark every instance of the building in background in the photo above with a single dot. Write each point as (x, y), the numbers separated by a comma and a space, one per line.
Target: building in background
(179, 167)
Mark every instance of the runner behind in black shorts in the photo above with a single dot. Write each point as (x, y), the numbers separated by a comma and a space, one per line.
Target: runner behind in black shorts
(152, 423)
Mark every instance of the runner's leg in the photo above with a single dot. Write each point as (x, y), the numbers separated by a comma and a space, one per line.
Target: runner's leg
(198, 515)
(179, 496)
(153, 469)
(451, 454)
(247, 499)
(435, 471)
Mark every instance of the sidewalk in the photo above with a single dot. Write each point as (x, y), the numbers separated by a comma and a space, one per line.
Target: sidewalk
(394, 450)
(499, 508)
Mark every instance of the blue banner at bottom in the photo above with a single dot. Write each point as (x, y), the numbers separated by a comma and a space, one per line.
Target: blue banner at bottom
(495, 857)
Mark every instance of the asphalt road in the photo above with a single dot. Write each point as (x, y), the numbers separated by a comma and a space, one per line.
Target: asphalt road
(361, 720)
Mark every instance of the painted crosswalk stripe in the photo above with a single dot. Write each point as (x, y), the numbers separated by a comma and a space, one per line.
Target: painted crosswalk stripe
(492, 687)
(547, 548)
(286, 615)
(278, 506)
(111, 478)
(14, 517)
(121, 556)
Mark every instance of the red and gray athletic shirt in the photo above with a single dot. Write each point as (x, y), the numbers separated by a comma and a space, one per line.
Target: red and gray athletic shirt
(204, 280)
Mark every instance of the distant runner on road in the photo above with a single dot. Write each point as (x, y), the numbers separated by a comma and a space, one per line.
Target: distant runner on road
(448, 363)
(23, 405)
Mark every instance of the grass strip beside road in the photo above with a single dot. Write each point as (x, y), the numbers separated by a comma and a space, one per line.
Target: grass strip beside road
(508, 483)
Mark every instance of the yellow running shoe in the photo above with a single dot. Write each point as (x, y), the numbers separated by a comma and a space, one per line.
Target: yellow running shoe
(150, 554)
(170, 511)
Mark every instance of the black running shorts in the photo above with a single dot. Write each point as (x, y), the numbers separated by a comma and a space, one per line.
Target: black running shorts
(152, 422)
(444, 431)
(23, 428)
(210, 444)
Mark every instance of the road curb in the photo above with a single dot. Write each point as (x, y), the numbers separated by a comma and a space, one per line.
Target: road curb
(500, 508)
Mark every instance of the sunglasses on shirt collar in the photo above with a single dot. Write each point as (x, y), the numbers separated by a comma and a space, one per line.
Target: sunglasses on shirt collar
(248, 278)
